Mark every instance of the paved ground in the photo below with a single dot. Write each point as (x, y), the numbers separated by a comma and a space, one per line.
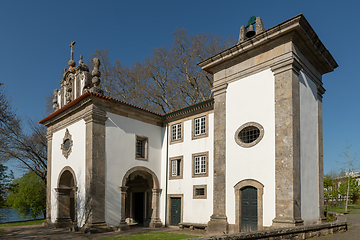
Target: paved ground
(353, 232)
(39, 232)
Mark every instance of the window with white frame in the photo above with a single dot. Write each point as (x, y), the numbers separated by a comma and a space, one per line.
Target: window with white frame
(200, 126)
(176, 167)
(200, 164)
(176, 132)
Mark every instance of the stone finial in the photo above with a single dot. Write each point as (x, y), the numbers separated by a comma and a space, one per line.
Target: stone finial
(96, 77)
(81, 59)
(259, 25)
(55, 104)
(242, 34)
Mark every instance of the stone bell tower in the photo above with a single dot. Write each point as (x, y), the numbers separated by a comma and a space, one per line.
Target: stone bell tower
(295, 59)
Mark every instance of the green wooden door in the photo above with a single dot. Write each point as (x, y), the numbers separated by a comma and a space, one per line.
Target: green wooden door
(175, 212)
(249, 218)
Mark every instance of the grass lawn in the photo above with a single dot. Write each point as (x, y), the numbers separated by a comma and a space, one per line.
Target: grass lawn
(32, 222)
(337, 210)
(154, 236)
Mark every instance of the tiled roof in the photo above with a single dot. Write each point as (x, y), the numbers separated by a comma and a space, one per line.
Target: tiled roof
(77, 100)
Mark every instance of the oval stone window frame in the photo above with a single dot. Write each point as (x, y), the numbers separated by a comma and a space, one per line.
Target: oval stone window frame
(67, 144)
(248, 145)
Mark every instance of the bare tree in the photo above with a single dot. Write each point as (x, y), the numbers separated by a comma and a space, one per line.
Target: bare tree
(169, 78)
(350, 165)
(28, 149)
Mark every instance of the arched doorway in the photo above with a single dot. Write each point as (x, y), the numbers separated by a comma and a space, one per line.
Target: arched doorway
(248, 205)
(66, 198)
(140, 198)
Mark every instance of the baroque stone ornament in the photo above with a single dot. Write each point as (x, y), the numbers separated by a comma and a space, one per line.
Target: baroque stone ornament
(55, 104)
(67, 144)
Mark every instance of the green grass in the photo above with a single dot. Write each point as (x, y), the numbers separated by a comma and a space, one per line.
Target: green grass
(342, 210)
(24, 223)
(154, 236)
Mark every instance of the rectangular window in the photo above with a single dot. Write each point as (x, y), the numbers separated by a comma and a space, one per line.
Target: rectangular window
(176, 132)
(200, 164)
(200, 126)
(199, 191)
(141, 145)
(176, 167)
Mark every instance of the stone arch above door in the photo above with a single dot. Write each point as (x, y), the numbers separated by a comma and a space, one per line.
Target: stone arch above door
(237, 190)
(67, 168)
(141, 169)
(154, 191)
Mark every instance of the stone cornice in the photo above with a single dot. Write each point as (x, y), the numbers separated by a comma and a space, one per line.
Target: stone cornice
(298, 25)
(191, 110)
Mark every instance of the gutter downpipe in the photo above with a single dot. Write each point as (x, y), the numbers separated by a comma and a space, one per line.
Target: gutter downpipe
(167, 170)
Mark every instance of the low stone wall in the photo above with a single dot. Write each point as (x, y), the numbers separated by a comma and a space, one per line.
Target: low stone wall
(301, 232)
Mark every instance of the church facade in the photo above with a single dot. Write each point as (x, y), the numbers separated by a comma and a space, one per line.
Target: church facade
(248, 159)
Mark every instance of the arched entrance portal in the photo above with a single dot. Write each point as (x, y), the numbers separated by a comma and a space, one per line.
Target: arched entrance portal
(66, 198)
(248, 205)
(140, 198)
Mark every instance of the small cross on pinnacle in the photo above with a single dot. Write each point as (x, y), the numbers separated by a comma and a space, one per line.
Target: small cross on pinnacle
(72, 50)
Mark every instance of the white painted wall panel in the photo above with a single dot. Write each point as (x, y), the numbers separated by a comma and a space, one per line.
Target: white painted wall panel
(251, 99)
(120, 157)
(76, 161)
(308, 150)
(194, 210)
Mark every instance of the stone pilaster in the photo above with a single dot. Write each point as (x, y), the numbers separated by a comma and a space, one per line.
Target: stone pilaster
(123, 225)
(287, 145)
(95, 119)
(218, 223)
(49, 136)
(320, 92)
(155, 220)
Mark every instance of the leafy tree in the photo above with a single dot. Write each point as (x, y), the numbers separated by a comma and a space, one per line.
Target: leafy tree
(349, 187)
(28, 195)
(5, 180)
(26, 147)
(330, 187)
(169, 78)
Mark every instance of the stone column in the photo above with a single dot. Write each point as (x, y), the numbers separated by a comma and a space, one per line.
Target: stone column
(49, 136)
(123, 225)
(95, 119)
(287, 145)
(155, 220)
(320, 92)
(218, 221)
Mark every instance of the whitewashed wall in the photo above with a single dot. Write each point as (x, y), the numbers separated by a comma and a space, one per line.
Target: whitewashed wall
(308, 150)
(120, 157)
(76, 161)
(251, 99)
(194, 210)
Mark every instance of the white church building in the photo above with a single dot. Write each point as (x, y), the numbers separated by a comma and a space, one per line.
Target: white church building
(250, 158)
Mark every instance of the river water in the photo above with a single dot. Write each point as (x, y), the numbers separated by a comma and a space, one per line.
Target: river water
(10, 215)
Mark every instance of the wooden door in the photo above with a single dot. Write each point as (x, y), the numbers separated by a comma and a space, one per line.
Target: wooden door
(249, 218)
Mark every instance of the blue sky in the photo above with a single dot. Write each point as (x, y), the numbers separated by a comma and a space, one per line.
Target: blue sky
(35, 37)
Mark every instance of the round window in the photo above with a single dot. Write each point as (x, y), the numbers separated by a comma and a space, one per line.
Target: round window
(67, 144)
(249, 134)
